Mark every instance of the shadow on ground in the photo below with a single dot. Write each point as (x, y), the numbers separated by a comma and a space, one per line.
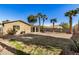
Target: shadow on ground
(75, 39)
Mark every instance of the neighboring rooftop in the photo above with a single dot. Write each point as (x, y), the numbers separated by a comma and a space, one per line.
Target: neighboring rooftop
(56, 26)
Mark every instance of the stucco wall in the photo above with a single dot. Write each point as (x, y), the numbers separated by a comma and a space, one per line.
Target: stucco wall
(23, 27)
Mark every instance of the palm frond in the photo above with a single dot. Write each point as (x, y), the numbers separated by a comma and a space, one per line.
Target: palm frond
(32, 19)
(71, 13)
(53, 20)
(39, 15)
(45, 17)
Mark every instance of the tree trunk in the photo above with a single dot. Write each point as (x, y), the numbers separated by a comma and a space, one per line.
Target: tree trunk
(70, 25)
(43, 26)
(32, 27)
(78, 25)
(39, 25)
(53, 26)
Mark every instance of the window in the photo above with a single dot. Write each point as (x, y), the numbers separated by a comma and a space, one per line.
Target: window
(16, 27)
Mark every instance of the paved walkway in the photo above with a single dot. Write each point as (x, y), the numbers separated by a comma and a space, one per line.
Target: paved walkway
(4, 50)
(54, 34)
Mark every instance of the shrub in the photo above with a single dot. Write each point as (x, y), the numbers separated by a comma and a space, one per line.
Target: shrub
(18, 52)
(11, 32)
(76, 42)
(12, 40)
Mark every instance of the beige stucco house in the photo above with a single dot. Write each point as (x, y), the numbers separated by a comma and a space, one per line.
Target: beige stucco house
(76, 28)
(20, 25)
(23, 27)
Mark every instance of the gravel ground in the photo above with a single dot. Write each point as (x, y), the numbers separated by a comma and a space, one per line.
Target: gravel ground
(61, 40)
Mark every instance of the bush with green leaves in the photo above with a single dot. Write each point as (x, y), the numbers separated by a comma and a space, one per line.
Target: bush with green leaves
(11, 31)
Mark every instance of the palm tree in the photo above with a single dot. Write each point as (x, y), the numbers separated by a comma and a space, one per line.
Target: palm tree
(44, 18)
(70, 14)
(39, 16)
(54, 20)
(32, 19)
(77, 9)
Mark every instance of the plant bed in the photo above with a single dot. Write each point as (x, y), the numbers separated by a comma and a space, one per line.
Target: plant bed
(35, 49)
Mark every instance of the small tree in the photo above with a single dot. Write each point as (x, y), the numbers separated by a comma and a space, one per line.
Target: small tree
(32, 20)
(44, 17)
(53, 21)
(70, 14)
(39, 16)
(11, 31)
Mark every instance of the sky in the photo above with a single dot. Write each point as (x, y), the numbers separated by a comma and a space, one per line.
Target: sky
(22, 11)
